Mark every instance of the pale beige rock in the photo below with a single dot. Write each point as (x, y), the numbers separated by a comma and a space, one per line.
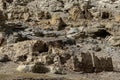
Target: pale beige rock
(73, 64)
(26, 16)
(117, 17)
(1, 5)
(25, 68)
(20, 51)
(114, 40)
(55, 69)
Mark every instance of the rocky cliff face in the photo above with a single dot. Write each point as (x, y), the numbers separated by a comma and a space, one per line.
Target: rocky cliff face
(60, 36)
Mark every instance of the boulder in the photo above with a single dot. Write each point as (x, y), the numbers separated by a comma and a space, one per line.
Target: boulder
(35, 68)
(85, 6)
(73, 64)
(4, 58)
(75, 13)
(3, 18)
(102, 64)
(26, 16)
(75, 33)
(40, 68)
(58, 22)
(89, 63)
(114, 40)
(25, 68)
(80, 12)
(56, 69)
(117, 17)
(2, 38)
(46, 59)
(21, 50)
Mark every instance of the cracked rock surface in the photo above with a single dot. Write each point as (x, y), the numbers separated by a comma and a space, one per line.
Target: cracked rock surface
(62, 39)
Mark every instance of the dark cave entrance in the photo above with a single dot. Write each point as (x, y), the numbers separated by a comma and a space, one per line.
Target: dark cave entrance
(105, 15)
(101, 33)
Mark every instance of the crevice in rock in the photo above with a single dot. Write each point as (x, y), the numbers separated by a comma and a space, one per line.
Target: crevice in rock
(45, 48)
(87, 14)
(101, 33)
(9, 1)
(22, 58)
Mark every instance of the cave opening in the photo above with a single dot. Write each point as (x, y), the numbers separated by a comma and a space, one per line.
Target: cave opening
(101, 33)
(105, 15)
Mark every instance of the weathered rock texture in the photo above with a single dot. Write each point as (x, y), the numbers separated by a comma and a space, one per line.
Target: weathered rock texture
(60, 36)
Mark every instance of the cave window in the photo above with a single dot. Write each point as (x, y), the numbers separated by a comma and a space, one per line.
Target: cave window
(102, 33)
(105, 15)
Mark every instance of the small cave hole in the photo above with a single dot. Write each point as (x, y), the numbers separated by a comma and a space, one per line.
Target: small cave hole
(101, 33)
(22, 58)
(39, 48)
(105, 15)
(45, 49)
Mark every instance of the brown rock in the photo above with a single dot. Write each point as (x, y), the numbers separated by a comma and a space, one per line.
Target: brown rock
(39, 68)
(87, 62)
(42, 15)
(4, 58)
(102, 64)
(85, 6)
(58, 22)
(73, 64)
(3, 18)
(2, 39)
(75, 13)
